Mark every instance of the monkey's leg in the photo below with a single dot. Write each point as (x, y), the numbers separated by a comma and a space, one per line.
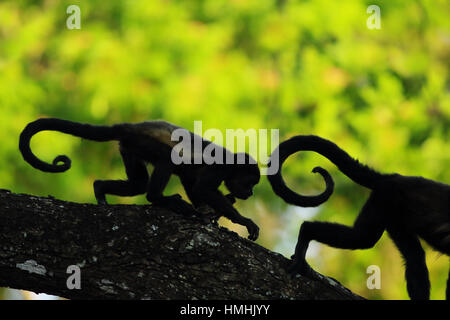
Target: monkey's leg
(158, 182)
(136, 184)
(199, 203)
(204, 191)
(188, 182)
(416, 272)
(447, 292)
(366, 231)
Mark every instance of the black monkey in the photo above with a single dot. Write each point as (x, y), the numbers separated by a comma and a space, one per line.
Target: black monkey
(408, 208)
(151, 142)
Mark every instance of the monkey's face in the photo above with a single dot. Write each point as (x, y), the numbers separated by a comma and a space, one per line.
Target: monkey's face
(242, 182)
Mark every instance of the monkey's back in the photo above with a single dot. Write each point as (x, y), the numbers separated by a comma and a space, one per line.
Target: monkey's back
(159, 130)
(153, 141)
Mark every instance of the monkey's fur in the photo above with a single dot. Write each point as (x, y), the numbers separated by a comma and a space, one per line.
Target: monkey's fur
(150, 142)
(408, 208)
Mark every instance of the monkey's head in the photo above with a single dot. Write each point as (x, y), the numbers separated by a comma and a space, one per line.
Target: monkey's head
(243, 176)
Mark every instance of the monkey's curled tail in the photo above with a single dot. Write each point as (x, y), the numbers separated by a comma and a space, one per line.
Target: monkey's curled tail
(61, 163)
(356, 171)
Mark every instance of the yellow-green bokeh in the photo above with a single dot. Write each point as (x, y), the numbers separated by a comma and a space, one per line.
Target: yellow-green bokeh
(303, 67)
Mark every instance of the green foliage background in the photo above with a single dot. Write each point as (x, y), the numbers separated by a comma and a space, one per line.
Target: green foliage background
(304, 67)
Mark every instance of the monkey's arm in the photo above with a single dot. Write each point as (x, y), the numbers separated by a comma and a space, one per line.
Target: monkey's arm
(220, 203)
(205, 190)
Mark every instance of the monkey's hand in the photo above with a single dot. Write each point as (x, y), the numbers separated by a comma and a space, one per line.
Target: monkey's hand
(252, 228)
(223, 205)
(205, 190)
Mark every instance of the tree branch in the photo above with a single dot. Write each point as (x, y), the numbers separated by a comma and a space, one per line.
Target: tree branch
(139, 252)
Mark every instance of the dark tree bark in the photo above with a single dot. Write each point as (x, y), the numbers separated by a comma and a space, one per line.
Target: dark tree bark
(139, 252)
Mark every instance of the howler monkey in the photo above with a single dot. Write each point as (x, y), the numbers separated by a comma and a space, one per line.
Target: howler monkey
(151, 142)
(408, 208)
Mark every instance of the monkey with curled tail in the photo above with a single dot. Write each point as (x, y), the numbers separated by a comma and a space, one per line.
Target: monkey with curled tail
(408, 208)
(151, 142)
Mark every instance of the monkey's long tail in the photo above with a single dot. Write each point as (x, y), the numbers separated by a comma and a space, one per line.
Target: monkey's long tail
(352, 168)
(61, 163)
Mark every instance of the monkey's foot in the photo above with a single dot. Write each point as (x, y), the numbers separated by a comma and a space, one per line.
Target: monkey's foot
(166, 199)
(207, 214)
(101, 201)
(163, 200)
(176, 204)
(300, 267)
